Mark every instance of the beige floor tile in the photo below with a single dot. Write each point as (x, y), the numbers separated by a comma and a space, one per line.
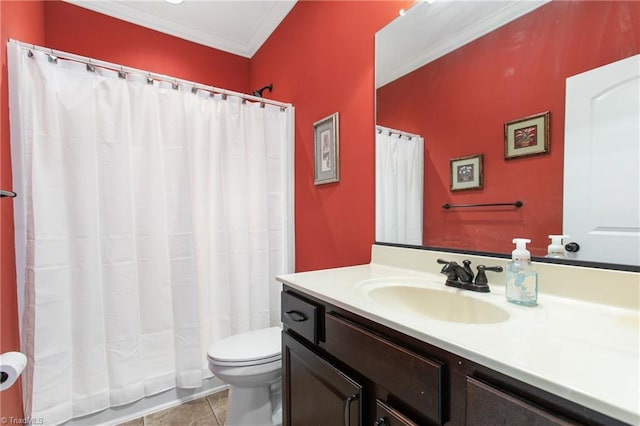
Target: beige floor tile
(218, 403)
(193, 413)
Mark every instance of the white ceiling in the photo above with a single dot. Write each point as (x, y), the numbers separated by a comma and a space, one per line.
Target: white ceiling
(427, 31)
(432, 29)
(236, 26)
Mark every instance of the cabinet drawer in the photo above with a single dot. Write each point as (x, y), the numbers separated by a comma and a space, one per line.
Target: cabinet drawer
(489, 406)
(388, 416)
(415, 380)
(300, 316)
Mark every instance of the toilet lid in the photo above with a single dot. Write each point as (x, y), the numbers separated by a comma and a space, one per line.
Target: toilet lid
(257, 345)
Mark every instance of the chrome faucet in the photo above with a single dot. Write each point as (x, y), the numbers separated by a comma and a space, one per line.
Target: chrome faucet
(462, 276)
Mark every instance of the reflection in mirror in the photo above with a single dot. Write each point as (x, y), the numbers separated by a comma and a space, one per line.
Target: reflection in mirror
(471, 67)
(399, 182)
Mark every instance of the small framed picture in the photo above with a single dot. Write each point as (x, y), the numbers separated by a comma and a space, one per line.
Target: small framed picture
(325, 148)
(466, 172)
(527, 136)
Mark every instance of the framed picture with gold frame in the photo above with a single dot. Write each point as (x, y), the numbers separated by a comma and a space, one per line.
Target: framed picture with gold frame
(466, 172)
(527, 136)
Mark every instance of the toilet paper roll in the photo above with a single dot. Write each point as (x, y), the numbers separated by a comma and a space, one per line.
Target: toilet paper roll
(11, 366)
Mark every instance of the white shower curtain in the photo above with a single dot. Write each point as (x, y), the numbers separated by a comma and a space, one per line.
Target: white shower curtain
(150, 222)
(399, 186)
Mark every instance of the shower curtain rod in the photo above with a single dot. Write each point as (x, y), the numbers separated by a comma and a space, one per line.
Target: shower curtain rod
(155, 76)
(400, 133)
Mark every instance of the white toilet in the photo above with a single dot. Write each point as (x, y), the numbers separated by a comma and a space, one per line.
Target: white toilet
(251, 364)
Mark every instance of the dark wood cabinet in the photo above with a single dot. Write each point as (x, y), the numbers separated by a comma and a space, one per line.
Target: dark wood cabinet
(342, 369)
(489, 406)
(315, 392)
(410, 377)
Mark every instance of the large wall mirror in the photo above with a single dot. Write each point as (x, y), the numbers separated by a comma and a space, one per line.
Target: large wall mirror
(467, 84)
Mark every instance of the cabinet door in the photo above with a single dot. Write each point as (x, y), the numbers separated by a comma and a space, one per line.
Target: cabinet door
(489, 406)
(314, 391)
(412, 378)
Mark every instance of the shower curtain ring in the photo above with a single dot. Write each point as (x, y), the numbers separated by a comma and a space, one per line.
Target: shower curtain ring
(52, 58)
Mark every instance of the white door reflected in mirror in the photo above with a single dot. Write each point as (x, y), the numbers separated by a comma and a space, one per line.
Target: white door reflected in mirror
(602, 150)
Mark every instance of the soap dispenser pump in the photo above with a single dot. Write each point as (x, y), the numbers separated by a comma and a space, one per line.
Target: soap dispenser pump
(556, 248)
(521, 279)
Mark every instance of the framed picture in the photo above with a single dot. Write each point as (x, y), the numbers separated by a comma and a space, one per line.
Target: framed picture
(325, 148)
(466, 172)
(527, 136)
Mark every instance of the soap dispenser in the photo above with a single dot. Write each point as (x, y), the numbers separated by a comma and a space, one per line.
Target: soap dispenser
(521, 278)
(556, 248)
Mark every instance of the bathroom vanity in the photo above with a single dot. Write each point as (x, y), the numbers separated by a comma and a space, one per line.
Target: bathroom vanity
(388, 344)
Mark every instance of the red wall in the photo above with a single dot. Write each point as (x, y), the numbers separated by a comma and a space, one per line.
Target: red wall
(465, 97)
(24, 21)
(108, 39)
(321, 59)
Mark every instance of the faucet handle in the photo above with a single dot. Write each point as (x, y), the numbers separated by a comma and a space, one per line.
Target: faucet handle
(482, 276)
(448, 269)
(467, 269)
(481, 283)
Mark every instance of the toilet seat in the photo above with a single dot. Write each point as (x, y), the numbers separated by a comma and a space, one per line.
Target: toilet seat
(250, 348)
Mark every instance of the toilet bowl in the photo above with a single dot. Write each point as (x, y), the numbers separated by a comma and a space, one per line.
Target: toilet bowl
(251, 364)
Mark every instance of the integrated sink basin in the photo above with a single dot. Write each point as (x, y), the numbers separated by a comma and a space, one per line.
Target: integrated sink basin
(411, 298)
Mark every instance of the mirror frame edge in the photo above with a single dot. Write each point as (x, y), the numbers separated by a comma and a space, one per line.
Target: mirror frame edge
(555, 261)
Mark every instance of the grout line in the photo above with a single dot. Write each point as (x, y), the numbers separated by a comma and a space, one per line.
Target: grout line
(212, 411)
(221, 422)
(217, 420)
(210, 406)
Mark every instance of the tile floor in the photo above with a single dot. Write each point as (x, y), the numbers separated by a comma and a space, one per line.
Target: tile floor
(210, 410)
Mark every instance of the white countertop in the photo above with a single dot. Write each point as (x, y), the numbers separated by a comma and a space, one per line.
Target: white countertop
(585, 352)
